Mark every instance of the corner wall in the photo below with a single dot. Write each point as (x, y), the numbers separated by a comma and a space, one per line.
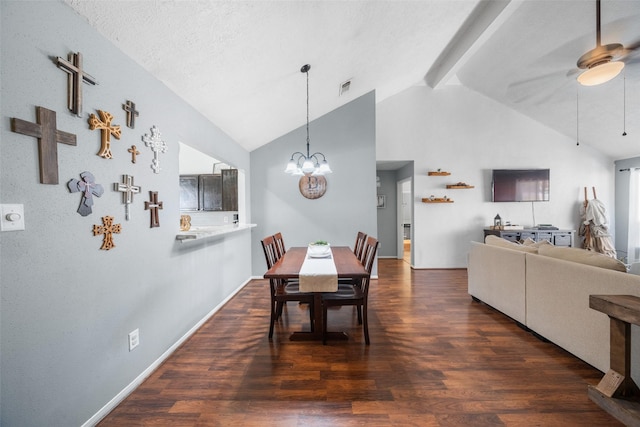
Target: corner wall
(467, 134)
(67, 306)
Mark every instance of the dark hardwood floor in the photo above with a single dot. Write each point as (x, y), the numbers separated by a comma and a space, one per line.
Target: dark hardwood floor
(436, 359)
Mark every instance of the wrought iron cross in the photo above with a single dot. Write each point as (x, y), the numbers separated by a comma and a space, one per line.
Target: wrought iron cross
(128, 190)
(132, 113)
(104, 124)
(108, 229)
(77, 76)
(157, 145)
(88, 187)
(48, 138)
(153, 205)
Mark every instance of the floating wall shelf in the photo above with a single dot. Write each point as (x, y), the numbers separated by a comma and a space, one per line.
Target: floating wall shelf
(459, 187)
(438, 173)
(427, 200)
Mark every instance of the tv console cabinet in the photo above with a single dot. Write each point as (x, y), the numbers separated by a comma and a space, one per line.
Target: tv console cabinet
(557, 237)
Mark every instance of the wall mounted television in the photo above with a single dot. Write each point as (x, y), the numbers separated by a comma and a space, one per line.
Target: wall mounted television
(520, 185)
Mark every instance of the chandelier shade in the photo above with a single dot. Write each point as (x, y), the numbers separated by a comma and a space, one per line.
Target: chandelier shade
(307, 164)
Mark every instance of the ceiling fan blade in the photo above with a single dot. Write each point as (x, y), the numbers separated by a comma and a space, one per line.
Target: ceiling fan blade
(537, 89)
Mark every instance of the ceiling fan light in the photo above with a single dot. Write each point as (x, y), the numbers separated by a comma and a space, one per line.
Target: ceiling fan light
(600, 73)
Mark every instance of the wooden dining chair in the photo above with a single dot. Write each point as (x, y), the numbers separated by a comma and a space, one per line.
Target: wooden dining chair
(358, 247)
(279, 244)
(356, 295)
(281, 290)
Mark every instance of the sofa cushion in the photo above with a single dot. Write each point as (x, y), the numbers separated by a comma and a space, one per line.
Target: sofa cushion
(582, 256)
(532, 243)
(504, 243)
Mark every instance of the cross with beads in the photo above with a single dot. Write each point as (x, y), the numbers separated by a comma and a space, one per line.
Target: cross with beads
(132, 113)
(157, 145)
(107, 230)
(153, 205)
(134, 152)
(48, 139)
(77, 76)
(104, 124)
(128, 190)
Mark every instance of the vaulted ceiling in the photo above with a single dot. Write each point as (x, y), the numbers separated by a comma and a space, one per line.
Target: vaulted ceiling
(238, 62)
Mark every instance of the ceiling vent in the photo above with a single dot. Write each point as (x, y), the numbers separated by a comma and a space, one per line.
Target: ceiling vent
(344, 87)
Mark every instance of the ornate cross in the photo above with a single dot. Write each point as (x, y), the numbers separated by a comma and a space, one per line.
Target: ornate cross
(134, 152)
(88, 187)
(132, 113)
(107, 229)
(104, 124)
(76, 77)
(153, 205)
(48, 138)
(128, 190)
(157, 145)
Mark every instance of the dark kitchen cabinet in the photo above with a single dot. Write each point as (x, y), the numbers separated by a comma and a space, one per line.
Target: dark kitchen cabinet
(210, 192)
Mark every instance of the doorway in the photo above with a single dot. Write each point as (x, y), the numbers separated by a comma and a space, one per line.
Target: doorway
(405, 219)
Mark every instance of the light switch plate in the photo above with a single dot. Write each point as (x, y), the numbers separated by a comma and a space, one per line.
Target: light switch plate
(12, 217)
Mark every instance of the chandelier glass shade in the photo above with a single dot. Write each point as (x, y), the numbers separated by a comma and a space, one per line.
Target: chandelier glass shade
(307, 164)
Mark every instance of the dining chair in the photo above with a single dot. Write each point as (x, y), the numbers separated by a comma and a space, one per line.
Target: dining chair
(279, 244)
(282, 291)
(358, 247)
(356, 295)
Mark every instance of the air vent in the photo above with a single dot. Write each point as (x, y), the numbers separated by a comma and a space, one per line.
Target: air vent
(344, 87)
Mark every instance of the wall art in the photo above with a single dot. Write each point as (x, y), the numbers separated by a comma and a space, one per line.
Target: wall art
(153, 205)
(88, 187)
(107, 129)
(48, 139)
(134, 153)
(76, 76)
(128, 190)
(157, 145)
(132, 113)
(108, 229)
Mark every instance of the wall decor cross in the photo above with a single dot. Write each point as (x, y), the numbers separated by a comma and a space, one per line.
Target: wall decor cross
(132, 113)
(128, 190)
(108, 229)
(88, 187)
(134, 152)
(157, 145)
(76, 76)
(153, 205)
(107, 129)
(48, 139)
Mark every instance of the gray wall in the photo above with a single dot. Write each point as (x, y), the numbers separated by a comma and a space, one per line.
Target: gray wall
(622, 204)
(388, 216)
(67, 306)
(347, 137)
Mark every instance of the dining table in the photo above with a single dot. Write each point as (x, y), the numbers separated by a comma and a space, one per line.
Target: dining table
(347, 266)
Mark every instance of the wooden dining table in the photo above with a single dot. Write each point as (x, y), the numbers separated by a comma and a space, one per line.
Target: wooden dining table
(288, 267)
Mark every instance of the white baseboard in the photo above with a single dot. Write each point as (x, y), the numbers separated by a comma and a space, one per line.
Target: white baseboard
(117, 399)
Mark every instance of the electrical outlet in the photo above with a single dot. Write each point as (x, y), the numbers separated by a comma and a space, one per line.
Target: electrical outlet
(134, 339)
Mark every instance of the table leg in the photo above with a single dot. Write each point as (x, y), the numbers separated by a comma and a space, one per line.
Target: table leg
(318, 327)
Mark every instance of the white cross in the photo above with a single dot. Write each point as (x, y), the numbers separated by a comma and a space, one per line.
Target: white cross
(128, 190)
(157, 145)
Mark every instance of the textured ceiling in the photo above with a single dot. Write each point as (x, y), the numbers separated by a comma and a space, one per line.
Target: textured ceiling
(238, 62)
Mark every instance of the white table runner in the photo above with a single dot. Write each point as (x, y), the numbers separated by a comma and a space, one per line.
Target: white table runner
(318, 274)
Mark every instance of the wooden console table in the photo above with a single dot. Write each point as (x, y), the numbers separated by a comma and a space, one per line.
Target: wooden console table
(617, 393)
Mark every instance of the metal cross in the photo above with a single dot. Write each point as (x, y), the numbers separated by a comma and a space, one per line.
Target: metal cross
(128, 190)
(48, 138)
(77, 76)
(132, 113)
(153, 205)
(134, 152)
(107, 229)
(157, 145)
(88, 187)
(104, 124)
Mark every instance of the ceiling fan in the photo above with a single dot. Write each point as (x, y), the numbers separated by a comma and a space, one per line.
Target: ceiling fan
(602, 63)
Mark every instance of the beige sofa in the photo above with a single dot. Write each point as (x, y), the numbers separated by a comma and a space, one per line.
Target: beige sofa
(550, 296)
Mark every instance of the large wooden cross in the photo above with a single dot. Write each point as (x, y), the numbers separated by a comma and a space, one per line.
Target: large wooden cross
(104, 124)
(88, 187)
(153, 205)
(128, 190)
(48, 138)
(77, 76)
(157, 145)
(132, 113)
(107, 229)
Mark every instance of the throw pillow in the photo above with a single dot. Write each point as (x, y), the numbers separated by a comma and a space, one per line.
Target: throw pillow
(582, 256)
(504, 243)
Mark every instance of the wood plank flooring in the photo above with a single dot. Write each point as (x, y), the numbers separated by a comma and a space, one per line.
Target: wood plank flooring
(436, 359)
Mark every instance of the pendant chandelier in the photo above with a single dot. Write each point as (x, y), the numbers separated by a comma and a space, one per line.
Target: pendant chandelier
(309, 164)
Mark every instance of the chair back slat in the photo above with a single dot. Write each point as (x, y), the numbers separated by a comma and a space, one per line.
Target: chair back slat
(270, 251)
(280, 248)
(358, 247)
(369, 256)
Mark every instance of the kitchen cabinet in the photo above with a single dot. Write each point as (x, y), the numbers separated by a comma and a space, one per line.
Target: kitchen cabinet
(209, 192)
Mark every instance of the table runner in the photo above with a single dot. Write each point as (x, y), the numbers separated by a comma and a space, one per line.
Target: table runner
(318, 274)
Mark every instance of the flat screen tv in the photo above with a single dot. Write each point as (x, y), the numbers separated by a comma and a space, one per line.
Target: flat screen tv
(520, 185)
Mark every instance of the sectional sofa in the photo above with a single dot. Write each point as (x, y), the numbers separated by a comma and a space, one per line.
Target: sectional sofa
(546, 289)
